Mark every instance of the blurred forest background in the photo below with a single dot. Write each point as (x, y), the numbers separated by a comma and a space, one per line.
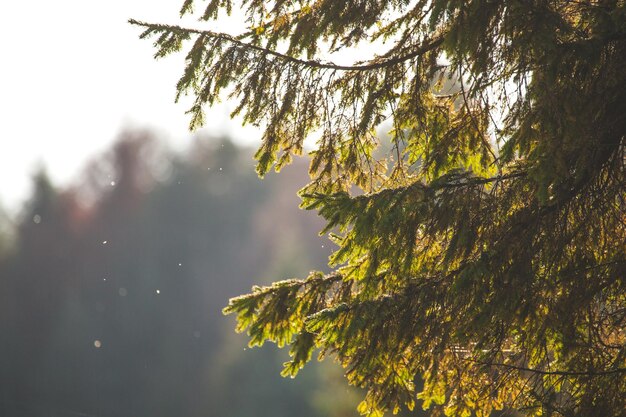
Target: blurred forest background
(112, 289)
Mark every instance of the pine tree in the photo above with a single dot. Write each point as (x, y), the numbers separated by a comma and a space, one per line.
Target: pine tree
(480, 261)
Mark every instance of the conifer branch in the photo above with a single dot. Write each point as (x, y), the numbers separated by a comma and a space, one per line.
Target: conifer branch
(427, 46)
(480, 180)
(561, 373)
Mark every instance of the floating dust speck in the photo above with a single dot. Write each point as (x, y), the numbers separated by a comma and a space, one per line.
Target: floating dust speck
(97, 344)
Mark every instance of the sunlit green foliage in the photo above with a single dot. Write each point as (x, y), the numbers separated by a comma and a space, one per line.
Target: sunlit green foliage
(485, 253)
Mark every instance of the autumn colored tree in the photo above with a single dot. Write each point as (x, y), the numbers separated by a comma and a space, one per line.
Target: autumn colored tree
(484, 255)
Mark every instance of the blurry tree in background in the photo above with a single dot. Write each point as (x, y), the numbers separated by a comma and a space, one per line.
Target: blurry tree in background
(111, 292)
(485, 254)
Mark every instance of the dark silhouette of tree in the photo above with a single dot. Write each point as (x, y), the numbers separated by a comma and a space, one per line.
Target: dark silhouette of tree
(485, 253)
(112, 291)
(35, 280)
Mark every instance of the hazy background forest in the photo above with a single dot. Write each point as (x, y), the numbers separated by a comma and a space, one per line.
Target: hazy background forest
(112, 288)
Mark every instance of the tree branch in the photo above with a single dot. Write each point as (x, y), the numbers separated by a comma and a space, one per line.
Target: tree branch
(480, 180)
(563, 373)
(424, 48)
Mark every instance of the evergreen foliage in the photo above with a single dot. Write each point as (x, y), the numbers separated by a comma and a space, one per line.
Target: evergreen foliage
(485, 254)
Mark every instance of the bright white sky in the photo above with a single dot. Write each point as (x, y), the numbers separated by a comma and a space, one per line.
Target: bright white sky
(73, 74)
